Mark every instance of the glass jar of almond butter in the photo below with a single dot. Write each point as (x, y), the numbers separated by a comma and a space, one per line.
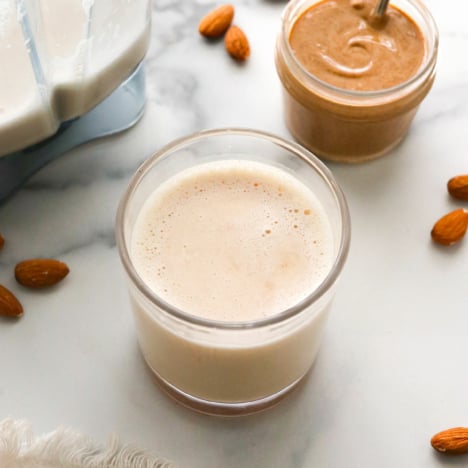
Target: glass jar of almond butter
(352, 83)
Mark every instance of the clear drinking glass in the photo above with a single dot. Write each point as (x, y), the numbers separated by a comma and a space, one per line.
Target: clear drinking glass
(230, 368)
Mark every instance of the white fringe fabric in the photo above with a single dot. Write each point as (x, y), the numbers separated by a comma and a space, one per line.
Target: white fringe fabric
(66, 448)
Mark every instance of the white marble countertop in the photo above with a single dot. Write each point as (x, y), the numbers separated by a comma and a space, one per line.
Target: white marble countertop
(392, 369)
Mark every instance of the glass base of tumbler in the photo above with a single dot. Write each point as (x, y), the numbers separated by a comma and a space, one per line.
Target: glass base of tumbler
(214, 408)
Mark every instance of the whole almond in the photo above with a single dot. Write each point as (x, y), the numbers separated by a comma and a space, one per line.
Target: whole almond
(236, 43)
(216, 22)
(40, 272)
(451, 441)
(450, 228)
(9, 305)
(458, 187)
(2, 242)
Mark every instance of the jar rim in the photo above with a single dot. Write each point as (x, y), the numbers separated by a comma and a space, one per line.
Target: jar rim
(429, 64)
(293, 148)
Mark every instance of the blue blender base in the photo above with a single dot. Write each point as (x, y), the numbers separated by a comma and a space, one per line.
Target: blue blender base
(118, 112)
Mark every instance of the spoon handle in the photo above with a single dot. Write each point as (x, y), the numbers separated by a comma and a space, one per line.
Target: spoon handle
(380, 8)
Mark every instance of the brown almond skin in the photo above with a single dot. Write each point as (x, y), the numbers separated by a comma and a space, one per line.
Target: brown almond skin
(2, 242)
(40, 272)
(451, 441)
(216, 22)
(9, 304)
(237, 44)
(458, 187)
(450, 228)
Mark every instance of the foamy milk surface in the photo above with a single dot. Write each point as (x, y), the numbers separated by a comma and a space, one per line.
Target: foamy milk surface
(232, 241)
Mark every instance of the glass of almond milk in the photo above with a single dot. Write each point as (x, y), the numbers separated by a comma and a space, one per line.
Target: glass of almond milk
(233, 241)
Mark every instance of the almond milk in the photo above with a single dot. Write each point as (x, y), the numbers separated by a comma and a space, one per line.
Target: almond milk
(59, 59)
(231, 241)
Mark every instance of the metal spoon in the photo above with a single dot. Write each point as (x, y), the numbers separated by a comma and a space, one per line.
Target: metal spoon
(380, 9)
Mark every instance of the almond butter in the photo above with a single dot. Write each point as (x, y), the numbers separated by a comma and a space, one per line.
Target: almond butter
(451, 441)
(450, 228)
(237, 44)
(458, 187)
(2, 242)
(216, 22)
(9, 305)
(40, 272)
